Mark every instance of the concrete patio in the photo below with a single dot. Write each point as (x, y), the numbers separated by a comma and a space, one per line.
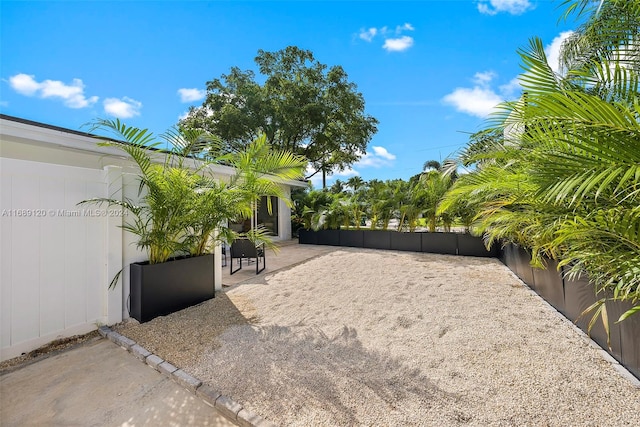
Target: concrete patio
(288, 254)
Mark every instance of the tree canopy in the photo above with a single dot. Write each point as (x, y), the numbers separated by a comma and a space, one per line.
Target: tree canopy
(303, 106)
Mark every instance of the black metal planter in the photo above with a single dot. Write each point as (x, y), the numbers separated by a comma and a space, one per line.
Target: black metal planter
(440, 243)
(161, 289)
(406, 242)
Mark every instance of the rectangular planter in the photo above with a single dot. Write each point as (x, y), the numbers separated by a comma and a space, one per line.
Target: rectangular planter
(352, 238)
(440, 243)
(508, 256)
(629, 339)
(307, 237)
(406, 242)
(161, 289)
(617, 330)
(549, 284)
(376, 239)
(469, 245)
(328, 237)
(578, 295)
(523, 266)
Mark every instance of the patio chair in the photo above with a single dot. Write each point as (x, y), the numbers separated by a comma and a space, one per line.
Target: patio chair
(245, 248)
(224, 255)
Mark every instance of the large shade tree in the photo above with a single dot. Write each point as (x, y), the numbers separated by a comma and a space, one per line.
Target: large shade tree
(303, 106)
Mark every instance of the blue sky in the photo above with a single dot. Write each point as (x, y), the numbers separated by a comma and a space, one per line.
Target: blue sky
(430, 71)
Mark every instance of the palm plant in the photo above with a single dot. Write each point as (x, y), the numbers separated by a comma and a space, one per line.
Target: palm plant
(260, 171)
(565, 181)
(182, 209)
(410, 206)
(307, 206)
(332, 215)
(434, 183)
(167, 189)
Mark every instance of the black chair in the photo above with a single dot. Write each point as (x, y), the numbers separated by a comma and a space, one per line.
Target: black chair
(224, 255)
(244, 248)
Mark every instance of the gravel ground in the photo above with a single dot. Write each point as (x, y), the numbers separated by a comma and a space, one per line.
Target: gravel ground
(365, 337)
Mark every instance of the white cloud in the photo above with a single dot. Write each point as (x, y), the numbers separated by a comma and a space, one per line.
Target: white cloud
(183, 115)
(24, 84)
(382, 152)
(316, 179)
(347, 173)
(398, 45)
(476, 101)
(72, 95)
(122, 108)
(553, 50)
(391, 44)
(514, 7)
(481, 99)
(378, 158)
(484, 78)
(190, 95)
(368, 35)
(405, 27)
(511, 89)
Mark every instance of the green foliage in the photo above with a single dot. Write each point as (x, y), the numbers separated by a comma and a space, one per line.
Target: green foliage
(377, 202)
(183, 209)
(559, 170)
(303, 107)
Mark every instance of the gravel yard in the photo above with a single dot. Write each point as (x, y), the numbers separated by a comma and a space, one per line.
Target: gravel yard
(365, 337)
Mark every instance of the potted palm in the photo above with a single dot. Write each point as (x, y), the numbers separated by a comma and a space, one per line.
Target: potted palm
(182, 210)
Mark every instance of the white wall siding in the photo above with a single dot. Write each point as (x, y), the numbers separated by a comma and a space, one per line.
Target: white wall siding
(284, 217)
(54, 260)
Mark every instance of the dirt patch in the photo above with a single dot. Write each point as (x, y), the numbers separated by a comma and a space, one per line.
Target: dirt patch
(45, 351)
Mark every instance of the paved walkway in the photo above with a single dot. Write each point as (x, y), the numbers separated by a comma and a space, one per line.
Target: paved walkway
(101, 384)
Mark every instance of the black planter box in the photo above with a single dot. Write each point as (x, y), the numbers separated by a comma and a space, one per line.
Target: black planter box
(328, 237)
(440, 243)
(307, 237)
(523, 266)
(469, 245)
(549, 284)
(406, 242)
(352, 238)
(377, 239)
(579, 294)
(629, 338)
(161, 289)
(617, 330)
(508, 256)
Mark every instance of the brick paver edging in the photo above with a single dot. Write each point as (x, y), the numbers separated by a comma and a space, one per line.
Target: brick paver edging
(225, 406)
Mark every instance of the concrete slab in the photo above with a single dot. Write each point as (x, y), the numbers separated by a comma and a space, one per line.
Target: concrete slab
(289, 254)
(98, 384)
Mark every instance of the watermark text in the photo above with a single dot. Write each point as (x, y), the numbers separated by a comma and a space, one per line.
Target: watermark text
(64, 213)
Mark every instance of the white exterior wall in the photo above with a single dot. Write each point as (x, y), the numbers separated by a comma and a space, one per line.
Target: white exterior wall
(56, 258)
(284, 217)
(54, 254)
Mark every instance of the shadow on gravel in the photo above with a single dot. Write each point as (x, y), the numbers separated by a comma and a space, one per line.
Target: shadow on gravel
(295, 370)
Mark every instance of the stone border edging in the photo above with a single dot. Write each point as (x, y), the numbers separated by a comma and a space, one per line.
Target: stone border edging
(617, 366)
(225, 406)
